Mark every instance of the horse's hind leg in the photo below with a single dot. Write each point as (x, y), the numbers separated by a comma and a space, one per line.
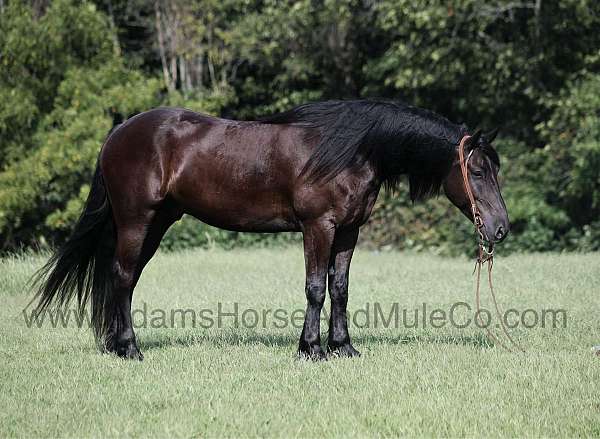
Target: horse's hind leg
(137, 242)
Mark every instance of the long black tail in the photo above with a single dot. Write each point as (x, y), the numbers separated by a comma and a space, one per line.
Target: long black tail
(82, 267)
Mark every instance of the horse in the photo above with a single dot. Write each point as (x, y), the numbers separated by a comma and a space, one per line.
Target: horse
(317, 169)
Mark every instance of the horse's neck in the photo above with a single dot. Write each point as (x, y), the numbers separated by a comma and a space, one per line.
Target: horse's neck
(422, 154)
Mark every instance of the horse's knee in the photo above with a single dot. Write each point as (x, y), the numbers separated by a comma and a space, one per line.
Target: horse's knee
(315, 293)
(340, 287)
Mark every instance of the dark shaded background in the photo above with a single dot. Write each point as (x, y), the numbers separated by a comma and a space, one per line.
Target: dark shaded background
(71, 69)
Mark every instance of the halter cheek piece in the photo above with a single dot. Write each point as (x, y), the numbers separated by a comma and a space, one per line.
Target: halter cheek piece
(485, 254)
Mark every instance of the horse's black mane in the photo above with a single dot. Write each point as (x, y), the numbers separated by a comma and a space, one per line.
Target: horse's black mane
(402, 140)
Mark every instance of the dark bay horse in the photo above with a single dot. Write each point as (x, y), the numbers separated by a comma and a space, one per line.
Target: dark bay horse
(317, 168)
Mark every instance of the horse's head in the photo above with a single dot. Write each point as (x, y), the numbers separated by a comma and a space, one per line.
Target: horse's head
(482, 164)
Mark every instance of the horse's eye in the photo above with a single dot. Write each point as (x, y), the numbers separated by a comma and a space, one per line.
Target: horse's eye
(478, 173)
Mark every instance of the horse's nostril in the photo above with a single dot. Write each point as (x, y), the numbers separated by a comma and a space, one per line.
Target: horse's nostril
(499, 232)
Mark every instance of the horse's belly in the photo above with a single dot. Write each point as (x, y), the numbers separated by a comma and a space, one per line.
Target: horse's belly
(257, 225)
(240, 210)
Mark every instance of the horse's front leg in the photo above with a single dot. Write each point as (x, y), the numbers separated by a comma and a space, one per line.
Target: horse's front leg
(339, 268)
(318, 238)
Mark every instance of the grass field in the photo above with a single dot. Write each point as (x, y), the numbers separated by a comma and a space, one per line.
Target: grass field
(246, 381)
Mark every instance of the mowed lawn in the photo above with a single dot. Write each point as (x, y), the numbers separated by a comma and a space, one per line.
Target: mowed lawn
(208, 380)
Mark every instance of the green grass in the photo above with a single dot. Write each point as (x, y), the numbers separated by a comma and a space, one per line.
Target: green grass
(244, 381)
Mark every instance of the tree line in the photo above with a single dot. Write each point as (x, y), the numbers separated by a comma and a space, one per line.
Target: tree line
(71, 70)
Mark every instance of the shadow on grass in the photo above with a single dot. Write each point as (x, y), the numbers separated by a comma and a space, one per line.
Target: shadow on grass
(289, 340)
(220, 339)
(478, 340)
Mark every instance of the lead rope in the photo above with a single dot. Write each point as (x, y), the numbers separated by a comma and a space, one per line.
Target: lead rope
(485, 254)
(498, 312)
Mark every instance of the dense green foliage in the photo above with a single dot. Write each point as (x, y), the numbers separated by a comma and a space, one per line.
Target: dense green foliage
(71, 69)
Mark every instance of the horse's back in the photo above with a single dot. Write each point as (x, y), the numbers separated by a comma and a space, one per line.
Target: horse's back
(232, 174)
(240, 175)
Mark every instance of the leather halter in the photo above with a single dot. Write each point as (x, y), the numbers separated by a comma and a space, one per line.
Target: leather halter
(485, 254)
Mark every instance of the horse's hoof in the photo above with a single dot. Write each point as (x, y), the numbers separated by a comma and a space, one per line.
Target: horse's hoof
(346, 350)
(109, 345)
(314, 353)
(130, 352)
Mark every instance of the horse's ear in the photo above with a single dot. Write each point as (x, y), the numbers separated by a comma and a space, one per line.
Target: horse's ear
(491, 135)
(475, 138)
